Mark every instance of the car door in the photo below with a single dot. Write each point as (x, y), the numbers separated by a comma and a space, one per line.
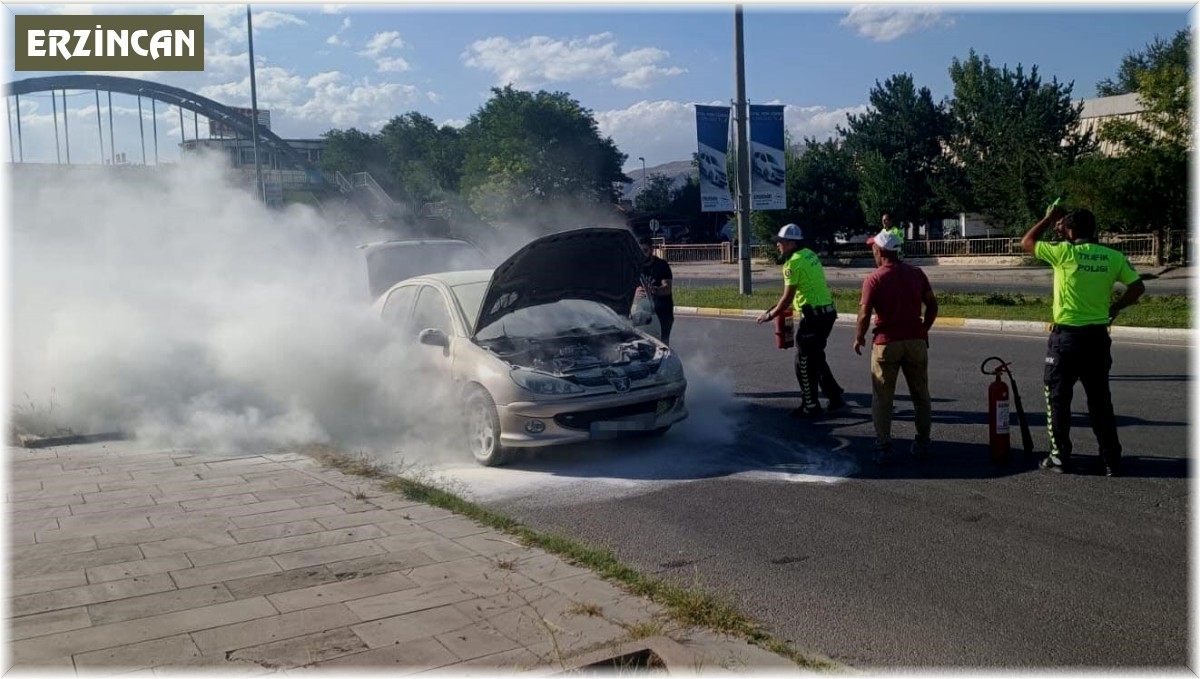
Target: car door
(397, 310)
(430, 312)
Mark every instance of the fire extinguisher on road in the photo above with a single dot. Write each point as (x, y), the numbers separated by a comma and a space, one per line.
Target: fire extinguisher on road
(785, 334)
(999, 445)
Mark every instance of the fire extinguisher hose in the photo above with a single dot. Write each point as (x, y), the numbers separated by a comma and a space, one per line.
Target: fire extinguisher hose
(1026, 438)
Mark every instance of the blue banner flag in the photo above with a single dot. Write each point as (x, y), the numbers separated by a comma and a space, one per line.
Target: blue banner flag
(712, 135)
(768, 189)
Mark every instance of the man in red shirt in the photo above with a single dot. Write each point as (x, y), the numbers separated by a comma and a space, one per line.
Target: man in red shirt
(895, 292)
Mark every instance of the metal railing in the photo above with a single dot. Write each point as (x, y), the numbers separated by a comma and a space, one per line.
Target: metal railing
(1180, 247)
(1140, 248)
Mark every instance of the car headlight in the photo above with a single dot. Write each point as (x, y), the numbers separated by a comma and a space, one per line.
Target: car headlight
(670, 369)
(539, 383)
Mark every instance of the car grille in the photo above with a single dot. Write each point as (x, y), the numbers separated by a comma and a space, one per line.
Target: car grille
(584, 419)
(634, 373)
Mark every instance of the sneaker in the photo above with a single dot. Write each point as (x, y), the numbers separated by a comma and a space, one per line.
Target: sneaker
(803, 413)
(919, 450)
(1055, 464)
(836, 403)
(1105, 468)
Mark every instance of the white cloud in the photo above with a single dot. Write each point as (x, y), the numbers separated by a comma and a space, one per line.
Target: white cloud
(541, 60)
(268, 20)
(333, 40)
(665, 131)
(884, 24)
(333, 9)
(312, 105)
(392, 65)
(381, 42)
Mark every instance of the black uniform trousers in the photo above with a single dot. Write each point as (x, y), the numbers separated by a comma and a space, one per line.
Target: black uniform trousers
(1081, 354)
(812, 370)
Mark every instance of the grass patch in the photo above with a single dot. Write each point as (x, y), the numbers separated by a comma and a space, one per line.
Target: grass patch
(1152, 311)
(691, 606)
(589, 609)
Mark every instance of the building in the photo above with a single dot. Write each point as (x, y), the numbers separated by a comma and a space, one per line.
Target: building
(1101, 110)
(241, 151)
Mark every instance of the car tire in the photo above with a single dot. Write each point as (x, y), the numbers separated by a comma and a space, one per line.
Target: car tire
(482, 428)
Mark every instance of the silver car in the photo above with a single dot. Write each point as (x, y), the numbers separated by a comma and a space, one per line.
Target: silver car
(540, 350)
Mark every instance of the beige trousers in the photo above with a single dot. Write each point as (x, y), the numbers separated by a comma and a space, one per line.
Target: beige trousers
(887, 360)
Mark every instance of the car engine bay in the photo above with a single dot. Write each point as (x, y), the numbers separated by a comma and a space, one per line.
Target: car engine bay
(581, 358)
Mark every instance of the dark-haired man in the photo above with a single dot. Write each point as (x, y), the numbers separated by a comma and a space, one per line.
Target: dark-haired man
(1080, 347)
(656, 282)
(886, 220)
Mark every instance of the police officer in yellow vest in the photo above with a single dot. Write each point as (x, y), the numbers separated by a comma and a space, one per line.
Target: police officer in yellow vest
(1079, 346)
(806, 291)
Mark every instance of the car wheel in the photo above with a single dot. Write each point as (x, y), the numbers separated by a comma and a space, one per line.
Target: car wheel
(483, 428)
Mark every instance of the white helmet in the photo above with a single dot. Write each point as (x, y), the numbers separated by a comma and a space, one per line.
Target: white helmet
(790, 232)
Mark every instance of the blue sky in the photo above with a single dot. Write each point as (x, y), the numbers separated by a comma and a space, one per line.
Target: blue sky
(638, 69)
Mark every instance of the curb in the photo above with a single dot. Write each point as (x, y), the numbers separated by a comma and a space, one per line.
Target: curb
(972, 323)
(27, 441)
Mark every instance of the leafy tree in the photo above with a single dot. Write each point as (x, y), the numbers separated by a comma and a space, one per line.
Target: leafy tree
(526, 152)
(349, 151)
(1012, 135)
(657, 195)
(1144, 184)
(423, 161)
(823, 196)
(897, 145)
(1158, 55)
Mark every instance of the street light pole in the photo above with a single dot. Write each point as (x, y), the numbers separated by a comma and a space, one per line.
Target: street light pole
(258, 178)
(743, 157)
(643, 173)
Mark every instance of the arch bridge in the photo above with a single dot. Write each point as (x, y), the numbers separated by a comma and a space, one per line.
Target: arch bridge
(156, 92)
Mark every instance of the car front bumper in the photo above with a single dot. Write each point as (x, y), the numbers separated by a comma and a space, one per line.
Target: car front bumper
(535, 424)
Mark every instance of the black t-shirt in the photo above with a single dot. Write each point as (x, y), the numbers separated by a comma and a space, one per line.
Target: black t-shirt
(658, 271)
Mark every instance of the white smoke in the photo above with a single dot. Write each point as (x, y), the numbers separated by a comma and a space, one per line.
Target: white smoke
(179, 309)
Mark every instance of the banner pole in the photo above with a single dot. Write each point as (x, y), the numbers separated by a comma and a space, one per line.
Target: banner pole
(743, 159)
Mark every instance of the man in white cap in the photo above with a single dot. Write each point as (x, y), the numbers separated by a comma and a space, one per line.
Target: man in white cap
(895, 291)
(805, 290)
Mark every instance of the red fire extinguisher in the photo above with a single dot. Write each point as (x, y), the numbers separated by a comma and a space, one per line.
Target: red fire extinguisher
(785, 336)
(999, 417)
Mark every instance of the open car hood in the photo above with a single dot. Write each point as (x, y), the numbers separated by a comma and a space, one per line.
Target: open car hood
(596, 264)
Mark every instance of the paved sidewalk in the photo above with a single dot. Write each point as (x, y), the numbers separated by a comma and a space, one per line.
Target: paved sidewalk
(128, 558)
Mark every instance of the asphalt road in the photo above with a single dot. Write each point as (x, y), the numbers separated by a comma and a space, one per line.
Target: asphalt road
(949, 563)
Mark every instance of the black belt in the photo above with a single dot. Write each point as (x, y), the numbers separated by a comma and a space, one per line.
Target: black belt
(827, 309)
(1100, 327)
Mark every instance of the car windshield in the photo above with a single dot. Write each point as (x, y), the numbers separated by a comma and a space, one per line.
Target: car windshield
(564, 318)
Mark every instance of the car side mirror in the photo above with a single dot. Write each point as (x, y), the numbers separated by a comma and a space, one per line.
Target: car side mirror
(434, 338)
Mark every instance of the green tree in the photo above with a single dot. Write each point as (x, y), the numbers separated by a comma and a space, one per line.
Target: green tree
(897, 145)
(1143, 185)
(1012, 135)
(424, 161)
(525, 153)
(823, 196)
(1158, 55)
(657, 195)
(350, 151)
